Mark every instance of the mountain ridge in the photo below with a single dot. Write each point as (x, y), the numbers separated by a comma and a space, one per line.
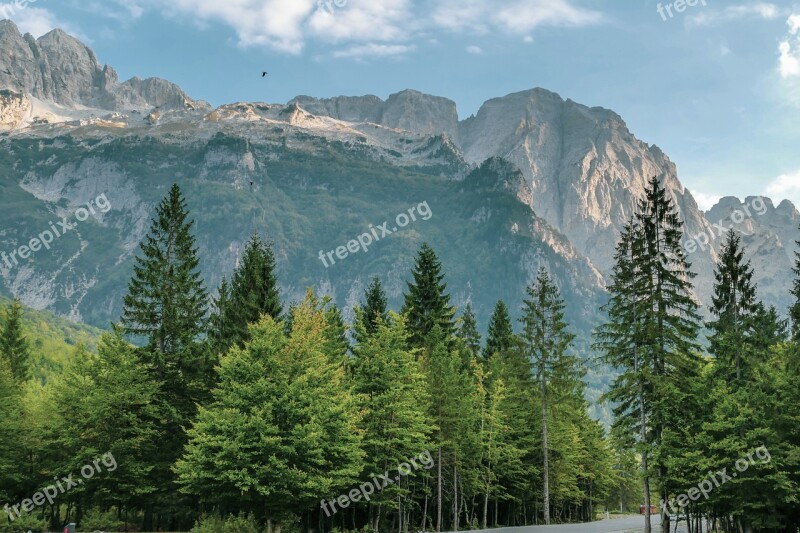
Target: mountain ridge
(579, 171)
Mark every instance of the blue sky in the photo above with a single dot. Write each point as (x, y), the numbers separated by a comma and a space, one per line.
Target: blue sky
(716, 85)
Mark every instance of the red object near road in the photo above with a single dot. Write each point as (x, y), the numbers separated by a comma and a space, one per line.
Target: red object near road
(653, 509)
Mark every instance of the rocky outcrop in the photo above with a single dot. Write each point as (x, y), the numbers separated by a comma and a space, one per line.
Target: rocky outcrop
(408, 110)
(14, 109)
(60, 69)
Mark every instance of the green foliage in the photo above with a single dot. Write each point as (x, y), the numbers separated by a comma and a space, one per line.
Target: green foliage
(97, 520)
(166, 301)
(393, 397)
(427, 303)
(374, 306)
(23, 524)
(282, 427)
(13, 344)
(242, 523)
(253, 292)
(500, 336)
(467, 332)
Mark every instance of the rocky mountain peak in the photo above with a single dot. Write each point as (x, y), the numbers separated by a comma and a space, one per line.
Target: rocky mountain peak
(59, 68)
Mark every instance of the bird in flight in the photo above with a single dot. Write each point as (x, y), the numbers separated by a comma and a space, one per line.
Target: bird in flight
(264, 74)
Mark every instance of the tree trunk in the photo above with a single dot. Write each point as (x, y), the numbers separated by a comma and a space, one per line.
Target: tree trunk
(439, 494)
(546, 469)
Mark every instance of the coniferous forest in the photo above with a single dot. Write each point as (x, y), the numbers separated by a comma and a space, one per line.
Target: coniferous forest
(242, 412)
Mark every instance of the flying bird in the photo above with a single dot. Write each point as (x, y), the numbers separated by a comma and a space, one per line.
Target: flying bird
(264, 74)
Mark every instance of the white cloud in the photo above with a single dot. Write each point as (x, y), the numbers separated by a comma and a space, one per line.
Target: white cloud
(705, 201)
(36, 20)
(374, 50)
(708, 17)
(785, 186)
(789, 49)
(516, 16)
(475, 50)
(288, 25)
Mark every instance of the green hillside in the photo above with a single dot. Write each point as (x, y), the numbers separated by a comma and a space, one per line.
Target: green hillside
(52, 339)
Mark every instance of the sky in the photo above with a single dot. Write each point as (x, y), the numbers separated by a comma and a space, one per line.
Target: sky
(715, 84)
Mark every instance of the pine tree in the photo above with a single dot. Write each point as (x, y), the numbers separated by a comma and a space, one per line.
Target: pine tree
(219, 331)
(452, 413)
(166, 301)
(468, 332)
(427, 303)
(501, 331)
(11, 456)
(394, 399)
(253, 292)
(651, 333)
(13, 345)
(734, 305)
(374, 306)
(546, 341)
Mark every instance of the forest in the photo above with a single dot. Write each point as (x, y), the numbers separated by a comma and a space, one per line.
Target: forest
(245, 413)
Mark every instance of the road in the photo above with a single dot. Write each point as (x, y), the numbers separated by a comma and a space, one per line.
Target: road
(624, 524)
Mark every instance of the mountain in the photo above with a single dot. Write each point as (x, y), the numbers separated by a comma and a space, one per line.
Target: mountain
(531, 179)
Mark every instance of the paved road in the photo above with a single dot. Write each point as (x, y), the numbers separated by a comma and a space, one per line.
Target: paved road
(628, 523)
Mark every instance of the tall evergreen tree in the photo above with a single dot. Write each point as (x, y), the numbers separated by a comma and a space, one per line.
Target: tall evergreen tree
(219, 322)
(546, 341)
(253, 292)
(734, 306)
(500, 336)
(394, 399)
(651, 333)
(374, 306)
(427, 303)
(468, 331)
(166, 301)
(13, 345)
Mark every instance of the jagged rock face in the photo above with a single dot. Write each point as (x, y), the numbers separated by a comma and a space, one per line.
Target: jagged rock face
(60, 69)
(14, 107)
(768, 234)
(407, 110)
(349, 108)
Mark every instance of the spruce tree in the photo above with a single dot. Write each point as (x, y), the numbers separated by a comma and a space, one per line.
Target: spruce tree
(393, 397)
(427, 303)
(166, 301)
(13, 345)
(219, 323)
(651, 333)
(734, 306)
(546, 340)
(374, 306)
(500, 336)
(254, 292)
(468, 331)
